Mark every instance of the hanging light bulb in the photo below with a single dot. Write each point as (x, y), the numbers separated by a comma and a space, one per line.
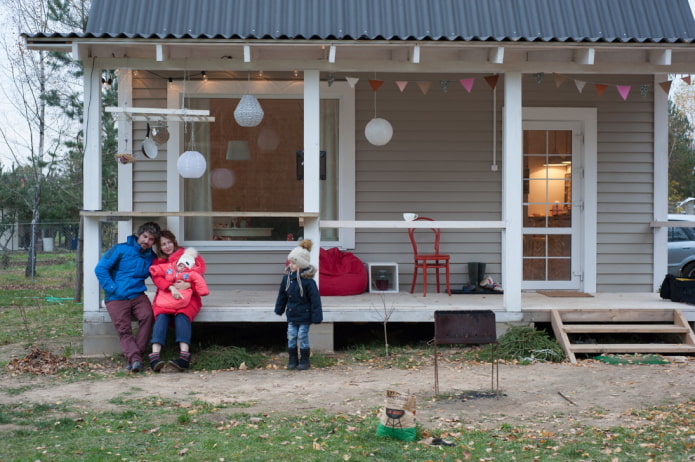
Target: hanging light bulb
(205, 76)
(191, 164)
(248, 112)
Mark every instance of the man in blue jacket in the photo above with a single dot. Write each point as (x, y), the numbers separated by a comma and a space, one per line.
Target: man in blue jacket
(122, 271)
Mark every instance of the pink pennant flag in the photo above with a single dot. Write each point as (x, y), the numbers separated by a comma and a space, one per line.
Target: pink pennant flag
(401, 84)
(624, 90)
(600, 88)
(686, 79)
(467, 84)
(559, 79)
(424, 86)
(580, 85)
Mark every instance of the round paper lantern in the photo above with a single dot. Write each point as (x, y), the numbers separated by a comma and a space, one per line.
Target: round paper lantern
(378, 131)
(191, 164)
(248, 112)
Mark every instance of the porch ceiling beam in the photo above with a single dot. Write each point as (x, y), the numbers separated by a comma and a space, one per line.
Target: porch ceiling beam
(660, 57)
(496, 55)
(415, 54)
(247, 53)
(585, 56)
(161, 52)
(331, 54)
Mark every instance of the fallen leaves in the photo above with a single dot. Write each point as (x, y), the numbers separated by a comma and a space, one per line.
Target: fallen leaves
(39, 362)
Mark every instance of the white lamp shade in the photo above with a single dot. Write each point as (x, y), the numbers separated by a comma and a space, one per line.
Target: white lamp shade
(378, 131)
(191, 164)
(248, 112)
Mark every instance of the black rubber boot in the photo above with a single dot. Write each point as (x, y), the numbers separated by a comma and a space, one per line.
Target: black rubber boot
(304, 363)
(293, 360)
(481, 273)
(473, 275)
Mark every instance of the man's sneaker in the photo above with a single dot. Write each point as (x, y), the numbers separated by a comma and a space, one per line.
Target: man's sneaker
(136, 367)
(497, 287)
(487, 282)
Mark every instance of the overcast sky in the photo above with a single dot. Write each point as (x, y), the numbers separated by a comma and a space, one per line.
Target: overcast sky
(6, 110)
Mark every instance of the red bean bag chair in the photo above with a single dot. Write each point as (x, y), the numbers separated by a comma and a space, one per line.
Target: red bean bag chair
(341, 273)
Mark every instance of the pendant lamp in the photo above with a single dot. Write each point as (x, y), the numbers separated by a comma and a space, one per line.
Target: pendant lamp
(248, 112)
(191, 164)
(378, 131)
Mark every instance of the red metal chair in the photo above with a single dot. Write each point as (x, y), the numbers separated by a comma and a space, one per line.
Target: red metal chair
(426, 261)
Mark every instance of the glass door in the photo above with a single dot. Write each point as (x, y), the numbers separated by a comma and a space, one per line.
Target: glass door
(550, 220)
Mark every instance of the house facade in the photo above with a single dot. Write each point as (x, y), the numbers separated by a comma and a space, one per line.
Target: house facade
(533, 132)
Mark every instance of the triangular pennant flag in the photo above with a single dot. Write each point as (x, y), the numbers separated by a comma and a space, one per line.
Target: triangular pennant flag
(580, 85)
(401, 84)
(624, 90)
(376, 84)
(424, 86)
(331, 79)
(492, 80)
(559, 79)
(352, 81)
(686, 79)
(445, 85)
(644, 90)
(539, 77)
(600, 88)
(666, 86)
(467, 84)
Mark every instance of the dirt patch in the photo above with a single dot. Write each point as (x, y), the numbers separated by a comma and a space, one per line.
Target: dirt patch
(552, 396)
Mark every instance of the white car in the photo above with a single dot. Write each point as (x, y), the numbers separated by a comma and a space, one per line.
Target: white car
(681, 248)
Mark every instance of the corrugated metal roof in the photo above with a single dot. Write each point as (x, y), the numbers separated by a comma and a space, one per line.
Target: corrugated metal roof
(453, 20)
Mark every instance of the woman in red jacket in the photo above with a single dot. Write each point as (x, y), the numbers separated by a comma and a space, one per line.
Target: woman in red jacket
(167, 289)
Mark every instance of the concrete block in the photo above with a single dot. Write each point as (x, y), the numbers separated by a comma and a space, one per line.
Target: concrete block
(321, 337)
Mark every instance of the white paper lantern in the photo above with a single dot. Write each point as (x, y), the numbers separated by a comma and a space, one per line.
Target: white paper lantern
(378, 131)
(191, 164)
(248, 112)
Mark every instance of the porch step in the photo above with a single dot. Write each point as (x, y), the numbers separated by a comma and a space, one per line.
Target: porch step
(622, 321)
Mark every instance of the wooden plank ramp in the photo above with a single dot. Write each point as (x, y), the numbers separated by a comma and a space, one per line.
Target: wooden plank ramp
(649, 322)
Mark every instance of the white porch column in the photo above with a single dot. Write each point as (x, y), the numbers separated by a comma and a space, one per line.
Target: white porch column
(512, 197)
(125, 171)
(660, 181)
(312, 196)
(91, 192)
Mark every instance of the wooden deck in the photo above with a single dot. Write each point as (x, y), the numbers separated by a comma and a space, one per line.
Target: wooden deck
(257, 306)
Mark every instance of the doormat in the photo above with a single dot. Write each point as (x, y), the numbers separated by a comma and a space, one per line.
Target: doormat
(564, 293)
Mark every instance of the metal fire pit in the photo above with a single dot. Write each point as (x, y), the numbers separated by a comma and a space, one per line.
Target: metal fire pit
(457, 327)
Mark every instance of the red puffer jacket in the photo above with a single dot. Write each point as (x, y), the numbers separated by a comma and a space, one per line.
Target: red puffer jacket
(158, 274)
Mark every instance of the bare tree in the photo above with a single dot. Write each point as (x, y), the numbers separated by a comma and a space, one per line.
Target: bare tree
(35, 139)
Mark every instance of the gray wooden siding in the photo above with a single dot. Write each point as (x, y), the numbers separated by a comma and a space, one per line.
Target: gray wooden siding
(438, 164)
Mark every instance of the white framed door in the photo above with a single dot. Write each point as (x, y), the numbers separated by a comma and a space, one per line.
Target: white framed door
(555, 234)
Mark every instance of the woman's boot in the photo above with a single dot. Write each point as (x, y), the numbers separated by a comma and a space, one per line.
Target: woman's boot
(183, 362)
(294, 358)
(473, 276)
(304, 363)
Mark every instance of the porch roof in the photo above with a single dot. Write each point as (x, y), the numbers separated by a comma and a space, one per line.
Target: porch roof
(615, 21)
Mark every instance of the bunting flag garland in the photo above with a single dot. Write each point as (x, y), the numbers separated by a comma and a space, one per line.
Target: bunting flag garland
(331, 79)
(580, 85)
(492, 80)
(624, 90)
(666, 86)
(376, 84)
(352, 81)
(424, 86)
(467, 84)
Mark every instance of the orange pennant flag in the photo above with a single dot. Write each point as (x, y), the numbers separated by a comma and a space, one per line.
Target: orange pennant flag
(686, 79)
(375, 84)
(559, 79)
(666, 86)
(600, 88)
(492, 80)
(424, 86)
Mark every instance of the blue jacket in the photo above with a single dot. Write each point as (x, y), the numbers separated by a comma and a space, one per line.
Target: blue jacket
(123, 269)
(302, 304)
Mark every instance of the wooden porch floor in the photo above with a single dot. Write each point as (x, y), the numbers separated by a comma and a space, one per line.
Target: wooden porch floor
(257, 306)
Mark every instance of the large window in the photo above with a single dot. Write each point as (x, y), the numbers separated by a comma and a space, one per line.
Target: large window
(258, 169)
